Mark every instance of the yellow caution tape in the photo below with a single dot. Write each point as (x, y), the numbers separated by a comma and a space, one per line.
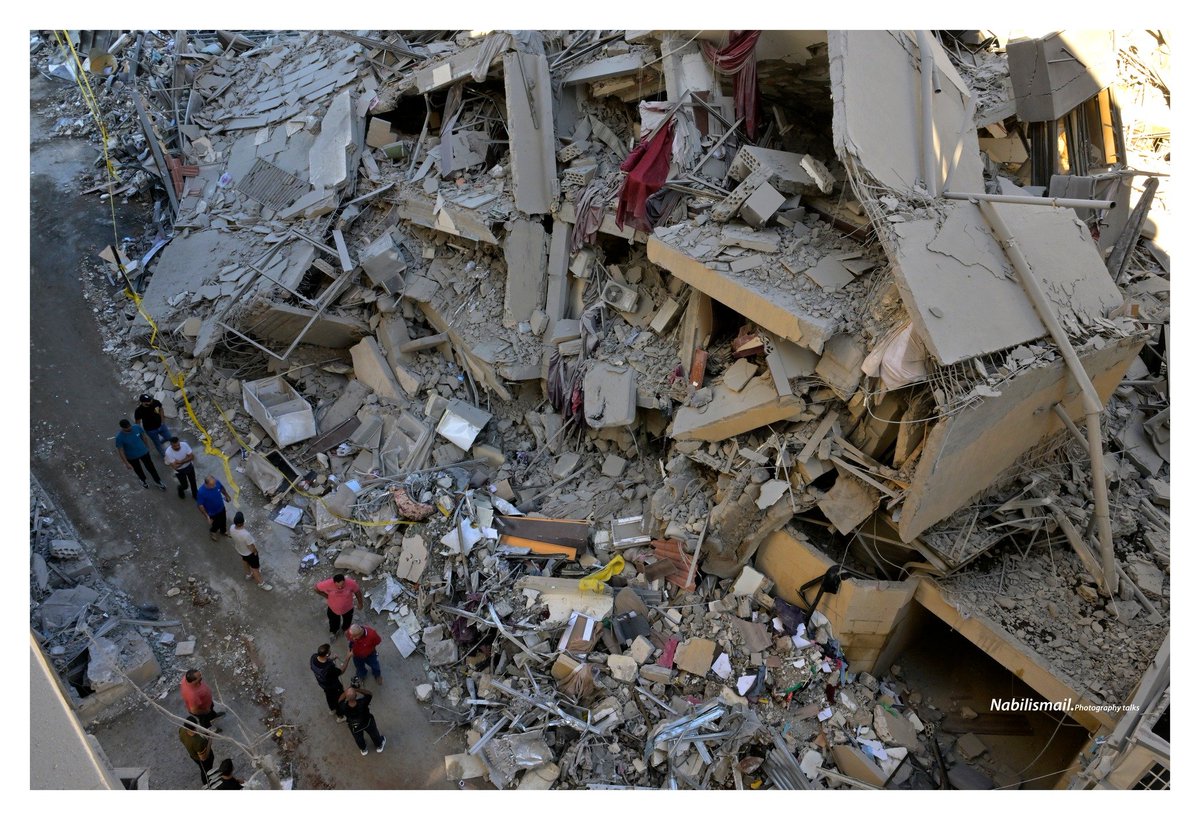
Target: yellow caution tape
(595, 581)
(176, 379)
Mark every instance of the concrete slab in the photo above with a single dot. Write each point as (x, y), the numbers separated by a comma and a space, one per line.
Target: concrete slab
(530, 107)
(604, 68)
(975, 445)
(962, 292)
(730, 413)
(525, 255)
(330, 156)
(1045, 85)
(283, 324)
(762, 306)
(875, 78)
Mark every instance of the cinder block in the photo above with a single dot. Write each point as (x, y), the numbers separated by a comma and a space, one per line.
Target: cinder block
(762, 205)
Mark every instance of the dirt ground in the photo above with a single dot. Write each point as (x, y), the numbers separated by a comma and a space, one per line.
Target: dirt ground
(253, 645)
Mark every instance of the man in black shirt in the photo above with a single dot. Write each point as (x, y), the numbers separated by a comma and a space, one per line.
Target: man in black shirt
(223, 777)
(328, 675)
(149, 414)
(354, 705)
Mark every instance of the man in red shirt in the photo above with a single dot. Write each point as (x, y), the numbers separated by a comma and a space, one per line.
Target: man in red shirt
(363, 641)
(198, 699)
(342, 596)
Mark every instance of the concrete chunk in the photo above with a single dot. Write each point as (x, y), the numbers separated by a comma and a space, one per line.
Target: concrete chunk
(762, 205)
(372, 369)
(641, 650)
(738, 374)
(840, 366)
(565, 465)
(623, 668)
(610, 396)
(695, 655)
(613, 466)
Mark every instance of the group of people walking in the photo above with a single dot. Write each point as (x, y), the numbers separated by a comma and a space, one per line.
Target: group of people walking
(133, 442)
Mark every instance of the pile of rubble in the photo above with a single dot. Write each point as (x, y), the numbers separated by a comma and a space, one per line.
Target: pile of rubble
(548, 360)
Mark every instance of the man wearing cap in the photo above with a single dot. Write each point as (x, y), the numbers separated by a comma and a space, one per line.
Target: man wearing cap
(180, 458)
(134, 449)
(149, 414)
(363, 642)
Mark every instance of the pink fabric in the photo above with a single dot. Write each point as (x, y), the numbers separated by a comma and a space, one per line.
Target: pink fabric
(737, 59)
(341, 600)
(647, 166)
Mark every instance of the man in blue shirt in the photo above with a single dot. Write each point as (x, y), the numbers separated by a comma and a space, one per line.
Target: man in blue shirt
(134, 449)
(211, 498)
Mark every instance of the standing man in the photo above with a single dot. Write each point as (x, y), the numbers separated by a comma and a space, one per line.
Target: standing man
(363, 643)
(199, 747)
(211, 498)
(198, 699)
(354, 706)
(243, 542)
(342, 596)
(134, 449)
(149, 414)
(180, 458)
(328, 675)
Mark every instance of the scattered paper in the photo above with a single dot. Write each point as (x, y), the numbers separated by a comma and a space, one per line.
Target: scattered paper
(722, 667)
(825, 714)
(745, 682)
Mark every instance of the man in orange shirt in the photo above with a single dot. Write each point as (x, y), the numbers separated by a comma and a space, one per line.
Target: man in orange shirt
(198, 699)
(342, 595)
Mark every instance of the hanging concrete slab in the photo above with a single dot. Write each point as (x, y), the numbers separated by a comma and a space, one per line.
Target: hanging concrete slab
(961, 290)
(877, 125)
(531, 132)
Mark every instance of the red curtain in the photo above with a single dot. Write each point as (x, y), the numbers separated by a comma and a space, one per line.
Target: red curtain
(647, 166)
(737, 59)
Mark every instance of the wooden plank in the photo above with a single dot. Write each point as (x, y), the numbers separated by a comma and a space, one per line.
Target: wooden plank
(823, 427)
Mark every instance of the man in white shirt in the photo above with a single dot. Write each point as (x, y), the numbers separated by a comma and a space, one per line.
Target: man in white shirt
(243, 542)
(179, 457)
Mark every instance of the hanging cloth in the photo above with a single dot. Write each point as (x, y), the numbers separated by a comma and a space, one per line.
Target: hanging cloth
(736, 59)
(646, 167)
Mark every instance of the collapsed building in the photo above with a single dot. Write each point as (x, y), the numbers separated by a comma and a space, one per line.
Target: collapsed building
(708, 409)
